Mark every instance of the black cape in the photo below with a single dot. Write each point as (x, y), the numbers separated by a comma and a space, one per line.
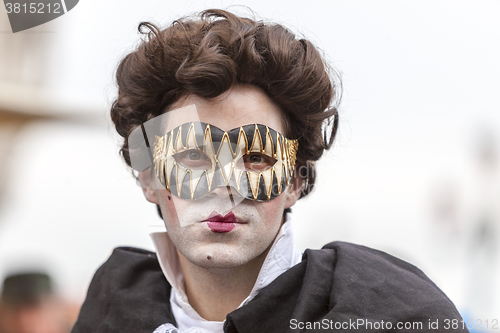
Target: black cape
(342, 287)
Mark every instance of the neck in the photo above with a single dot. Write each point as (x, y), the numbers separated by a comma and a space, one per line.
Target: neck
(215, 292)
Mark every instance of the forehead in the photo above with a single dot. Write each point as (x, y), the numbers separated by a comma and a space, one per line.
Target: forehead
(241, 105)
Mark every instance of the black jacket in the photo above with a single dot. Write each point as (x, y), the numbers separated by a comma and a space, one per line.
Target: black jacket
(342, 287)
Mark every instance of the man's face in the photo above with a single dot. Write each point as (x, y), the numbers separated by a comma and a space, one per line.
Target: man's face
(208, 243)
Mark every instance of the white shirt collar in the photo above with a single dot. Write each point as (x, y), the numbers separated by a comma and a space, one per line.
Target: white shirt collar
(282, 256)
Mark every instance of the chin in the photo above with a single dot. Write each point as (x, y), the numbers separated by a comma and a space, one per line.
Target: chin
(223, 256)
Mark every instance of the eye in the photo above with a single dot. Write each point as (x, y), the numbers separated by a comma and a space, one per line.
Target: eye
(257, 162)
(193, 159)
(194, 155)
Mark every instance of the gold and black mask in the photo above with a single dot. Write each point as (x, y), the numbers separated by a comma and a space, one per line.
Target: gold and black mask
(194, 158)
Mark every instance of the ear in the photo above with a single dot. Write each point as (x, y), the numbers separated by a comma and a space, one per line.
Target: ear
(293, 191)
(146, 180)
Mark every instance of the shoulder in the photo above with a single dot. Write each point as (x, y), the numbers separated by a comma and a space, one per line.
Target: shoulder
(373, 284)
(362, 262)
(128, 290)
(128, 269)
(348, 285)
(126, 262)
(373, 272)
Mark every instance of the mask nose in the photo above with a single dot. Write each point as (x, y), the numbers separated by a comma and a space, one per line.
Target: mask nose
(228, 193)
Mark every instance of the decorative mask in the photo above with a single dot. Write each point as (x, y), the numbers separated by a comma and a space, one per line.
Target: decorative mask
(194, 158)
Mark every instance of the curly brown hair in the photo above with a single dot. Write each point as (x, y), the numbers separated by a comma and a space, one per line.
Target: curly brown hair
(208, 54)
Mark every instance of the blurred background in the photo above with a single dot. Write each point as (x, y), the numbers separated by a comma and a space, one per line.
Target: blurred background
(415, 171)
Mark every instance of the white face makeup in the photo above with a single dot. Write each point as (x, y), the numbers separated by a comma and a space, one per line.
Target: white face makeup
(224, 223)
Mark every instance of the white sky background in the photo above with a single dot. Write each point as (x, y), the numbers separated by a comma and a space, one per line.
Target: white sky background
(421, 82)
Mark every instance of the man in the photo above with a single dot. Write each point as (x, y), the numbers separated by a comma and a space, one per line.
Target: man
(29, 304)
(223, 118)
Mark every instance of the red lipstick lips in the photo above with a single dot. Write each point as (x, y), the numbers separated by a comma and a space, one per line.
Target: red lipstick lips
(221, 224)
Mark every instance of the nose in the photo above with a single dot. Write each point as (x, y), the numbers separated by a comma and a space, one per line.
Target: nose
(226, 192)
(222, 191)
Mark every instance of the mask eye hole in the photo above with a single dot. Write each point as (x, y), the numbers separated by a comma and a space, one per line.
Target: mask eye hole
(256, 162)
(193, 159)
